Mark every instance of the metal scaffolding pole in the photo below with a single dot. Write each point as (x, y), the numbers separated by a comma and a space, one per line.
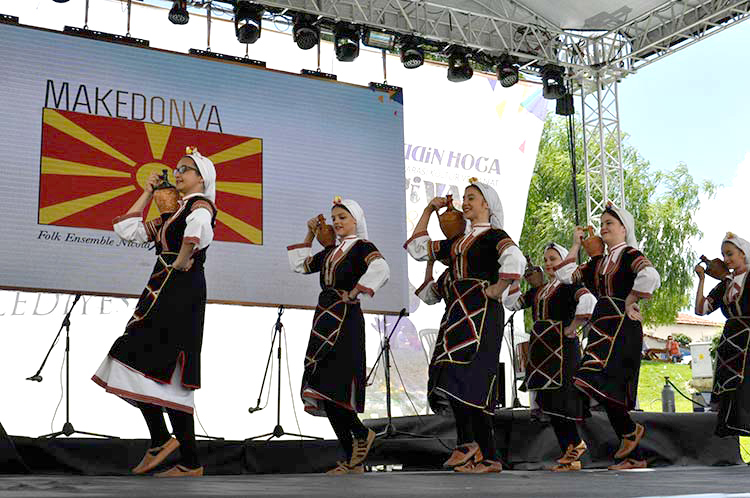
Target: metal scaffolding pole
(602, 148)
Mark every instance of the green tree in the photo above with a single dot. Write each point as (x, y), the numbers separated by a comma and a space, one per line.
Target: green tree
(663, 203)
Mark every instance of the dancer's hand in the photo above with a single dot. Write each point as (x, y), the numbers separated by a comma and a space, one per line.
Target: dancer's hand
(180, 266)
(152, 181)
(351, 296)
(312, 224)
(633, 310)
(571, 331)
(578, 234)
(437, 203)
(494, 291)
(700, 271)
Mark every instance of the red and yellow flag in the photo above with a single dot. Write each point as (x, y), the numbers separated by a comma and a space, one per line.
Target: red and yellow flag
(93, 168)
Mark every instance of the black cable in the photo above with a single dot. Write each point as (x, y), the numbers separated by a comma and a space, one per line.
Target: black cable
(681, 394)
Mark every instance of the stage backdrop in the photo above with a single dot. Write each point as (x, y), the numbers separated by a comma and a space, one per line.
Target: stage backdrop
(85, 122)
(452, 132)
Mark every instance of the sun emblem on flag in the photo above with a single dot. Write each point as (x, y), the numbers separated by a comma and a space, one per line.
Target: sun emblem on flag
(93, 168)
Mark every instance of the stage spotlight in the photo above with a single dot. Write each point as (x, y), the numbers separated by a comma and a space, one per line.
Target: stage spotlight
(346, 42)
(459, 68)
(379, 39)
(179, 14)
(305, 32)
(412, 56)
(507, 72)
(565, 106)
(553, 82)
(247, 16)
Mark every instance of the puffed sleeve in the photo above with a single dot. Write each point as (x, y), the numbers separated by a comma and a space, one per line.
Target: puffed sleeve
(514, 300)
(713, 301)
(568, 272)
(511, 259)
(428, 292)
(585, 302)
(301, 260)
(199, 229)
(377, 273)
(422, 248)
(647, 279)
(131, 227)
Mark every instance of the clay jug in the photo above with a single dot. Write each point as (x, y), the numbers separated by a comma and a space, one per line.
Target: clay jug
(533, 274)
(715, 268)
(452, 221)
(325, 234)
(166, 195)
(593, 244)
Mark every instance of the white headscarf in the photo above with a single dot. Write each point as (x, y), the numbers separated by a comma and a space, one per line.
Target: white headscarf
(557, 247)
(356, 211)
(739, 243)
(207, 171)
(627, 221)
(493, 201)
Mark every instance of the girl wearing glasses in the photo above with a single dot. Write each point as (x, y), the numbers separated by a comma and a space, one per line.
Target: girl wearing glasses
(155, 365)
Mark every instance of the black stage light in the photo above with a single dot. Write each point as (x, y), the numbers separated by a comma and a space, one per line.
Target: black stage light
(305, 32)
(60, 1)
(507, 72)
(412, 56)
(247, 16)
(379, 39)
(459, 68)
(565, 106)
(553, 82)
(179, 14)
(346, 42)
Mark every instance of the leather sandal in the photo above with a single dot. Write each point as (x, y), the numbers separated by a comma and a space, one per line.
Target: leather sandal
(343, 468)
(462, 454)
(630, 442)
(487, 467)
(361, 448)
(155, 456)
(573, 453)
(567, 467)
(470, 466)
(181, 471)
(629, 463)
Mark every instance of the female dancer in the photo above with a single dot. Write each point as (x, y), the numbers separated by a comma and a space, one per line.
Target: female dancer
(732, 377)
(155, 365)
(463, 370)
(558, 310)
(609, 369)
(333, 384)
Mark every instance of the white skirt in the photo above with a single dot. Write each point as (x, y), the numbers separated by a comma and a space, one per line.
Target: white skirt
(133, 386)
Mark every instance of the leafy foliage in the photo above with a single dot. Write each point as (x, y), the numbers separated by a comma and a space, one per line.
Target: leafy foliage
(663, 203)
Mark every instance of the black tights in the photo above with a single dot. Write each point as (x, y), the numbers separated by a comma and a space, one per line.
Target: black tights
(346, 425)
(619, 419)
(472, 424)
(184, 430)
(566, 431)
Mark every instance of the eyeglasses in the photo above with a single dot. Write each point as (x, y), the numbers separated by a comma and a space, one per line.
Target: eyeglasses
(182, 169)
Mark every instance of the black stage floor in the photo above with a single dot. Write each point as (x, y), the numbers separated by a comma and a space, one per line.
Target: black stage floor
(715, 482)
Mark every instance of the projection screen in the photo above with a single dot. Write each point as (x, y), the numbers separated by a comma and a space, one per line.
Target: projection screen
(85, 121)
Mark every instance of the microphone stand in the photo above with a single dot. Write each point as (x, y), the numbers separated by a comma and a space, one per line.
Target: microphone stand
(390, 430)
(67, 429)
(516, 403)
(278, 430)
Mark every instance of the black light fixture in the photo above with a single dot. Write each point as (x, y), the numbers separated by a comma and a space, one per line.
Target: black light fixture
(459, 68)
(553, 82)
(507, 72)
(178, 14)
(412, 56)
(247, 18)
(346, 42)
(60, 1)
(379, 39)
(305, 32)
(565, 106)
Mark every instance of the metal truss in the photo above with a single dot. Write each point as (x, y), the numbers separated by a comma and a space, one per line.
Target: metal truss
(602, 152)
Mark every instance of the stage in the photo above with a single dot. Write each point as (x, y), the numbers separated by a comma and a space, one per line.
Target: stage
(684, 439)
(664, 481)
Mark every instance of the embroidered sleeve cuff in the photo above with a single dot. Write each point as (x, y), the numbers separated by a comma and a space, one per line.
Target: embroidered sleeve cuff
(415, 236)
(564, 262)
(584, 317)
(365, 290)
(510, 276)
(423, 286)
(126, 217)
(297, 246)
(642, 295)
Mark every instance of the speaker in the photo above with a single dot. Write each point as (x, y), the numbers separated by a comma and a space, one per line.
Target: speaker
(10, 461)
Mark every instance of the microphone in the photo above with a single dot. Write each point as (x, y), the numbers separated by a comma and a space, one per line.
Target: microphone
(254, 409)
(402, 312)
(35, 378)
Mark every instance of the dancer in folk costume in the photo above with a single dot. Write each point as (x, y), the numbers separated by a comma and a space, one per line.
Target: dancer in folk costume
(611, 362)
(333, 384)
(155, 365)
(554, 351)
(464, 367)
(732, 377)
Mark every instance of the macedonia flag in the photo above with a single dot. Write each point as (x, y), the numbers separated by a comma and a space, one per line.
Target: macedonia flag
(93, 168)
